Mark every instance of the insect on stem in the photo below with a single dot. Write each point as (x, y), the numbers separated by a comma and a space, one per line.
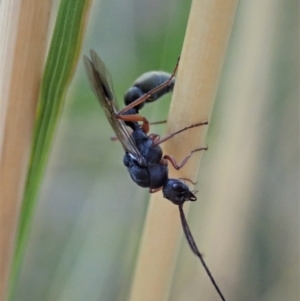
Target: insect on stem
(143, 158)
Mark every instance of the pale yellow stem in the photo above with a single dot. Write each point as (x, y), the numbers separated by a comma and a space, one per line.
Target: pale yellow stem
(205, 44)
(23, 37)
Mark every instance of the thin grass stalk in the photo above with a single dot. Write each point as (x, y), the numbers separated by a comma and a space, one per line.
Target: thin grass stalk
(60, 65)
(24, 27)
(205, 44)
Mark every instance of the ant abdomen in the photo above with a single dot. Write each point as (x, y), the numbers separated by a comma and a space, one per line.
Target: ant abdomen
(147, 82)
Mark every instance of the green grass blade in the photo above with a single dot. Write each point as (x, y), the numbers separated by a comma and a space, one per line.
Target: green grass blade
(61, 62)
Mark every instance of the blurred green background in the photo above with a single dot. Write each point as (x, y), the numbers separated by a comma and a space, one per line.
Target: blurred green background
(90, 215)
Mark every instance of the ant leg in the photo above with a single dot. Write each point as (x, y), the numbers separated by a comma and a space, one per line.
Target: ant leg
(148, 95)
(136, 118)
(188, 180)
(180, 131)
(153, 190)
(158, 122)
(154, 137)
(173, 161)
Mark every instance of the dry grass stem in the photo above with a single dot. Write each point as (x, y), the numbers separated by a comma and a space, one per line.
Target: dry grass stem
(206, 40)
(24, 26)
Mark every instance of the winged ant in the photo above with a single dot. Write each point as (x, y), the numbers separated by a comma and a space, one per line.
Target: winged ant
(145, 162)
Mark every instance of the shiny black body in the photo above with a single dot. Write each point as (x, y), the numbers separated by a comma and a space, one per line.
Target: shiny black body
(143, 157)
(152, 174)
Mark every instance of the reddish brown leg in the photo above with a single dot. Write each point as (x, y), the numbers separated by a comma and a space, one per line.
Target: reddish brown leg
(148, 95)
(136, 118)
(180, 131)
(154, 138)
(173, 161)
(151, 190)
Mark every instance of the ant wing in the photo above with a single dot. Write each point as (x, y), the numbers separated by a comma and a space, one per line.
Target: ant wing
(102, 86)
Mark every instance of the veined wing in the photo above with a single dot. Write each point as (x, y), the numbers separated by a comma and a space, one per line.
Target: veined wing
(102, 86)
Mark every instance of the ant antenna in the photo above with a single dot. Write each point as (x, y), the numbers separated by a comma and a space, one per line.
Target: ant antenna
(195, 250)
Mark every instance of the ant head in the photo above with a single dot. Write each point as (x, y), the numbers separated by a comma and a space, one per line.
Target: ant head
(178, 192)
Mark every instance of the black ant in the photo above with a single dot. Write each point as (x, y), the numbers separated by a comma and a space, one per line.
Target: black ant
(145, 162)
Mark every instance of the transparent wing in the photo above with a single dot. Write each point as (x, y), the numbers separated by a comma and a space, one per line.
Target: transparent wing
(102, 86)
